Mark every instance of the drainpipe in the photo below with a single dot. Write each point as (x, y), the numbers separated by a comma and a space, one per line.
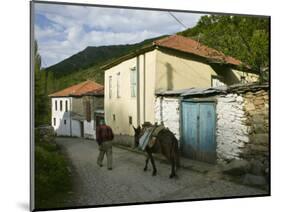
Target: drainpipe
(138, 91)
(144, 80)
(161, 110)
(70, 118)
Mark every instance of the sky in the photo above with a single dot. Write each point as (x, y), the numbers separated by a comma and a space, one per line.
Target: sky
(63, 30)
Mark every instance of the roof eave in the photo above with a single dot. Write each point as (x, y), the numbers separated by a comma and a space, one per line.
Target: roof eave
(128, 56)
(154, 45)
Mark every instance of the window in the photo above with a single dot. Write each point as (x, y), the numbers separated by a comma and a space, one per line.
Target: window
(217, 81)
(64, 122)
(130, 120)
(243, 79)
(113, 117)
(54, 121)
(110, 86)
(56, 105)
(60, 105)
(133, 82)
(88, 111)
(66, 106)
(118, 85)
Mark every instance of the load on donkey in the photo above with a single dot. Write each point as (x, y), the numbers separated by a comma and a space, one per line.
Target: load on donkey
(157, 139)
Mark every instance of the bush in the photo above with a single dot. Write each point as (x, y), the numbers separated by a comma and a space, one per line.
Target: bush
(52, 177)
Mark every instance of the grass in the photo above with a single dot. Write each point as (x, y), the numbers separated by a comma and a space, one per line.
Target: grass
(53, 181)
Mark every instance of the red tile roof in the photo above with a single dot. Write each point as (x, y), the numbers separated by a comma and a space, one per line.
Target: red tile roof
(84, 88)
(185, 45)
(188, 45)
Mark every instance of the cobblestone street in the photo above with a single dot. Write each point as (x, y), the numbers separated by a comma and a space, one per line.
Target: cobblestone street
(128, 183)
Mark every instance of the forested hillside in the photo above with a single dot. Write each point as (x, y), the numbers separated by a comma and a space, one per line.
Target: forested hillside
(243, 37)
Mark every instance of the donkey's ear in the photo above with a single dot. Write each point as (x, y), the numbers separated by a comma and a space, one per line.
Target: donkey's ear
(135, 129)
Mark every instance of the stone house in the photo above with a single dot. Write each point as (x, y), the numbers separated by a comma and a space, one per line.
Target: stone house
(167, 64)
(221, 124)
(77, 110)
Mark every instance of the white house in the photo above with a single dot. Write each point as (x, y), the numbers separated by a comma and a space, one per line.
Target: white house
(77, 110)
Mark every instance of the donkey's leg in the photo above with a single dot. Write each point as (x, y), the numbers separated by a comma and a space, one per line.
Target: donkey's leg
(173, 160)
(173, 173)
(153, 165)
(146, 162)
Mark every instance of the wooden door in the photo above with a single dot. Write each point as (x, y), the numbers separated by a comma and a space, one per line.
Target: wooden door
(198, 128)
(82, 128)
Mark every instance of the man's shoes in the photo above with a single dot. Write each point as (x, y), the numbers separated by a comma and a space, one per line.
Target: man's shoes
(110, 169)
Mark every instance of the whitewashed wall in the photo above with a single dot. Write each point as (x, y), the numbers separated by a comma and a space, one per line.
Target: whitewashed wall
(89, 131)
(169, 108)
(232, 132)
(60, 115)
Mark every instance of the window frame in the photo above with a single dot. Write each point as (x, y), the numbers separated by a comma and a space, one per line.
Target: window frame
(61, 105)
(220, 78)
(118, 75)
(110, 87)
(243, 79)
(133, 81)
(88, 111)
(56, 105)
(66, 106)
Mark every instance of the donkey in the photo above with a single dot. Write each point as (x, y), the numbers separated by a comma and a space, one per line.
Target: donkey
(165, 143)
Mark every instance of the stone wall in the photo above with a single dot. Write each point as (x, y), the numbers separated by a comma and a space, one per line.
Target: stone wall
(77, 105)
(167, 111)
(256, 106)
(243, 135)
(45, 133)
(242, 126)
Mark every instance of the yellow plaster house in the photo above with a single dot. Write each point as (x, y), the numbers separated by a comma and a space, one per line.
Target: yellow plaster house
(171, 63)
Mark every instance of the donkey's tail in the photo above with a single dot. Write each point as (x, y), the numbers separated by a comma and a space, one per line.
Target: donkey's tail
(177, 154)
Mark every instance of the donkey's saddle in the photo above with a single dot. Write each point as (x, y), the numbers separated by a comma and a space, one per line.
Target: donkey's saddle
(149, 136)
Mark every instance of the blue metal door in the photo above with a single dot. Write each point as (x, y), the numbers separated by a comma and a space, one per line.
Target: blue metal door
(198, 130)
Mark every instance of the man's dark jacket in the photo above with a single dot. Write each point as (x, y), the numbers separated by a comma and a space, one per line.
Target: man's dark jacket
(104, 133)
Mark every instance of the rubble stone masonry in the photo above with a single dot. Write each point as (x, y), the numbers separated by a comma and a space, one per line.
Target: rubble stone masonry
(242, 125)
(256, 151)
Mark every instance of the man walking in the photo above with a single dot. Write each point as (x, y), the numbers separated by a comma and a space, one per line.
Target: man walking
(104, 137)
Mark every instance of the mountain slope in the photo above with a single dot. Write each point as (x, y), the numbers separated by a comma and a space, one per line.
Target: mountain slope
(86, 65)
(93, 56)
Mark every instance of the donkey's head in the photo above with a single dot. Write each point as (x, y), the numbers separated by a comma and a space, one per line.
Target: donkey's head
(138, 134)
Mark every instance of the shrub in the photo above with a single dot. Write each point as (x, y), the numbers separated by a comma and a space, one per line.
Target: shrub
(52, 178)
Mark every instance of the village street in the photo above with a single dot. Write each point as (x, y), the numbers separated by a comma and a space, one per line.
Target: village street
(128, 183)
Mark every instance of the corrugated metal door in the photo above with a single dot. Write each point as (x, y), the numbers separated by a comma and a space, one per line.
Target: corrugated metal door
(198, 131)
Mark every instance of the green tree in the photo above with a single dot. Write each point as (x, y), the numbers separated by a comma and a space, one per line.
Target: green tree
(41, 101)
(243, 37)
